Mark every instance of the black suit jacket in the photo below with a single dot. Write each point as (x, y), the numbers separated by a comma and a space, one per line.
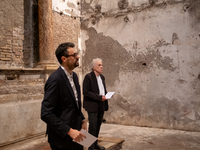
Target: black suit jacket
(91, 92)
(59, 109)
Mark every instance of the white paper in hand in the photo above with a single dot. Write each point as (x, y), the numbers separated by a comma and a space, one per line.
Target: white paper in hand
(89, 140)
(109, 95)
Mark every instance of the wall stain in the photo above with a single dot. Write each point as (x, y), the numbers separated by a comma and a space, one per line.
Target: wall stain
(174, 38)
(194, 13)
(125, 7)
(108, 50)
(123, 4)
(162, 112)
(143, 62)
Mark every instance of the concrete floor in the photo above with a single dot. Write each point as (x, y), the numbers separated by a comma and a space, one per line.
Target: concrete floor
(136, 138)
(142, 138)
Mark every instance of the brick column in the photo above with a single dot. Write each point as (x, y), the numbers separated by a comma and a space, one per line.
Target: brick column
(46, 47)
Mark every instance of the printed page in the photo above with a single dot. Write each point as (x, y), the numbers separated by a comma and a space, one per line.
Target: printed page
(89, 140)
(109, 95)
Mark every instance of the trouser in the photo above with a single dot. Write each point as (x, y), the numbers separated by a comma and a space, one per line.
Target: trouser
(95, 121)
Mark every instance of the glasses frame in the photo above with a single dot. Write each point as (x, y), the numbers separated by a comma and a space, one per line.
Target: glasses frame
(74, 55)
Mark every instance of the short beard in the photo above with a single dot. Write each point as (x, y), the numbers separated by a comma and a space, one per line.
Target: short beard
(76, 64)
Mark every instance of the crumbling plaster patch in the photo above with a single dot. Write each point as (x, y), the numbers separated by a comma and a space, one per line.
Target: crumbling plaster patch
(68, 7)
(109, 50)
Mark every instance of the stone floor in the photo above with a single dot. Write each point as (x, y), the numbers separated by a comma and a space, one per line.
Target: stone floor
(136, 138)
(142, 138)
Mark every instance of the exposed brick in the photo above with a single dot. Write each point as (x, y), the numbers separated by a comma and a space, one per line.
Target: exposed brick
(18, 42)
(18, 54)
(5, 59)
(8, 56)
(16, 49)
(2, 53)
(6, 51)
(9, 42)
(2, 56)
(18, 38)
(8, 48)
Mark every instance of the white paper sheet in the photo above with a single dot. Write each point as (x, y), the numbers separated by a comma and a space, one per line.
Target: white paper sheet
(109, 95)
(89, 140)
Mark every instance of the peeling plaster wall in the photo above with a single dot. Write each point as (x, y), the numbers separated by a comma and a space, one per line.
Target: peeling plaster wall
(151, 55)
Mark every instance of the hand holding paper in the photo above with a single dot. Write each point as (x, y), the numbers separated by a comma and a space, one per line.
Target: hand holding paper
(109, 95)
(89, 140)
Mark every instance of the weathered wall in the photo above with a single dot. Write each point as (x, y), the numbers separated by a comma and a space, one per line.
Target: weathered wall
(21, 81)
(21, 92)
(11, 33)
(151, 56)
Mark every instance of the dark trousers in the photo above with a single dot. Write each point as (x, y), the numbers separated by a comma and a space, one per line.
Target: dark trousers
(95, 121)
(75, 147)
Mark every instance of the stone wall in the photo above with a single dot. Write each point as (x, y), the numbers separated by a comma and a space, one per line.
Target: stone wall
(21, 80)
(21, 92)
(11, 33)
(150, 50)
(151, 56)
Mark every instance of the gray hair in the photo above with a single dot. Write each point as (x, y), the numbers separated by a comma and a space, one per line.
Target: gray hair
(95, 60)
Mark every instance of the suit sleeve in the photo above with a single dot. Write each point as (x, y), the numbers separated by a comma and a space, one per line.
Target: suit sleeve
(49, 103)
(88, 91)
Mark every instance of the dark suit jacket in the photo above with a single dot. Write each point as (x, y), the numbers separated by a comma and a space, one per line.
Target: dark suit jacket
(91, 92)
(59, 109)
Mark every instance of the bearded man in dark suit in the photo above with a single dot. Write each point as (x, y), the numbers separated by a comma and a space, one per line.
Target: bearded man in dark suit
(61, 106)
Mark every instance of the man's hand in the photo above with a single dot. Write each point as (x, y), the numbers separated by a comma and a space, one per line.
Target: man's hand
(84, 125)
(103, 98)
(76, 135)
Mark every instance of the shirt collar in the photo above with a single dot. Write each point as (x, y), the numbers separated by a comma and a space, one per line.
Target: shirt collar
(66, 72)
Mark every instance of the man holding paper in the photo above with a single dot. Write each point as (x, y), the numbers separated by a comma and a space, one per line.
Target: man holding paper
(61, 106)
(95, 102)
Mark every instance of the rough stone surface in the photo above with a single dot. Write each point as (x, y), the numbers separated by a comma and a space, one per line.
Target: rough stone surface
(142, 138)
(21, 85)
(136, 138)
(11, 33)
(150, 51)
(21, 93)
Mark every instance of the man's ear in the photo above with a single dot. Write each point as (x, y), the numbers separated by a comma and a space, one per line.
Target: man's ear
(63, 58)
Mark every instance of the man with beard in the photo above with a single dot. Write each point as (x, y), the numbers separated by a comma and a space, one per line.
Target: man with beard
(61, 106)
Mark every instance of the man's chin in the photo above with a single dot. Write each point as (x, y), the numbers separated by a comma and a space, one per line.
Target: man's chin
(77, 64)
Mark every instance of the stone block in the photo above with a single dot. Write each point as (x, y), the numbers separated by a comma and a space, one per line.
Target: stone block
(22, 77)
(2, 77)
(2, 56)
(4, 53)
(5, 59)
(20, 120)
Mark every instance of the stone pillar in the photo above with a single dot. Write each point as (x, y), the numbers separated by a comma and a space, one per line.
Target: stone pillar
(46, 46)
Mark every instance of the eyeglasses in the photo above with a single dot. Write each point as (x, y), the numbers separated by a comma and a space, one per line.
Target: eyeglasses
(74, 55)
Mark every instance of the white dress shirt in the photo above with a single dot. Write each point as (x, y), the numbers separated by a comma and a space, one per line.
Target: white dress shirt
(100, 85)
(70, 77)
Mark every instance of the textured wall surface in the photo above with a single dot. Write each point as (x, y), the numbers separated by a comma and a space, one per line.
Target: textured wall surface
(21, 93)
(151, 56)
(11, 33)
(21, 85)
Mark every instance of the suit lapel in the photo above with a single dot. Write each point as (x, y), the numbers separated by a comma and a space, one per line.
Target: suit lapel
(78, 90)
(94, 78)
